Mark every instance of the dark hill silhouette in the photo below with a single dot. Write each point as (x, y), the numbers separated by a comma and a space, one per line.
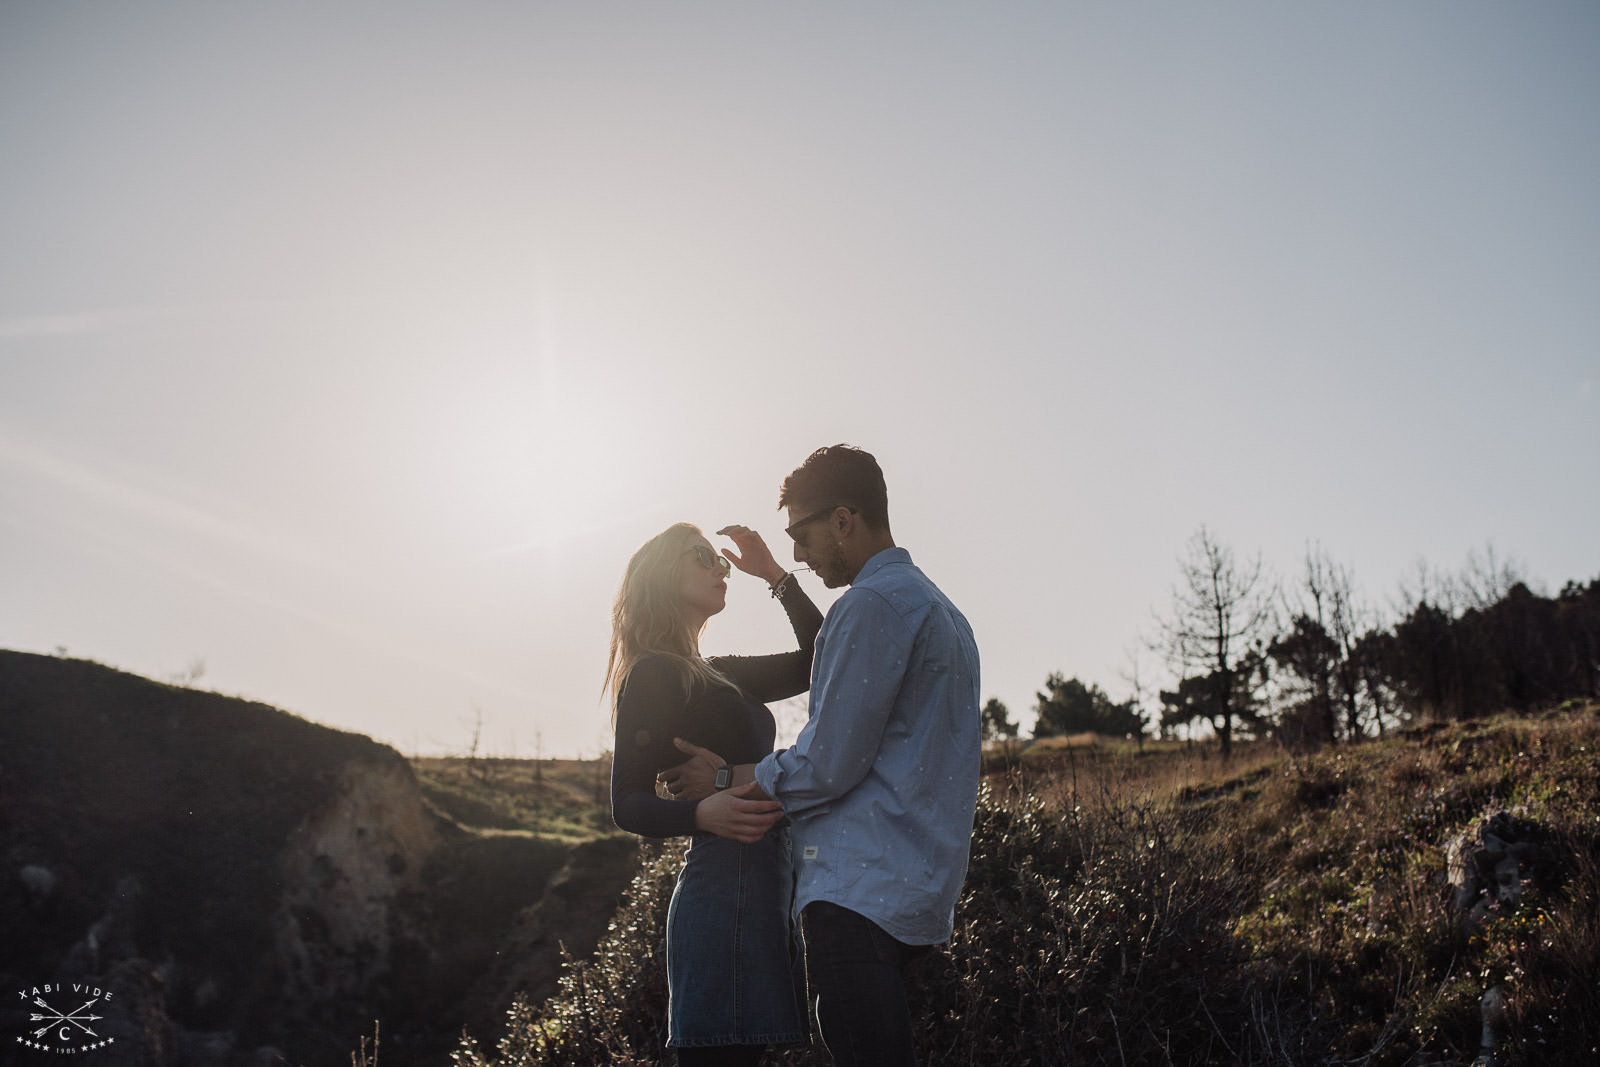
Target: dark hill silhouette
(246, 885)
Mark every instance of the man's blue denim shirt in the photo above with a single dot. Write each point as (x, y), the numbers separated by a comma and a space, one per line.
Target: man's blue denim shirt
(881, 784)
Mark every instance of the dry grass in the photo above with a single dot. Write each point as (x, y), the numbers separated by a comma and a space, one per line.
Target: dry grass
(1160, 907)
(561, 800)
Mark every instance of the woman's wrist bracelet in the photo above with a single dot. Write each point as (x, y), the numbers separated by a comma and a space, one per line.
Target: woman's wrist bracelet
(781, 586)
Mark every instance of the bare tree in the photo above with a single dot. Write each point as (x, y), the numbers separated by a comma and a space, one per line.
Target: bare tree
(197, 670)
(1346, 619)
(477, 766)
(1425, 585)
(1221, 614)
(1486, 580)
(1133, 675)
(1319, 647)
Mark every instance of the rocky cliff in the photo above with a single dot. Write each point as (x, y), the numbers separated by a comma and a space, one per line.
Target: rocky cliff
(238, 885)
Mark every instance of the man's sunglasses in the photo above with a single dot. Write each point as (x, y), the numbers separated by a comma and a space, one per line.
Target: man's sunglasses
(708, 559)
(813, 517)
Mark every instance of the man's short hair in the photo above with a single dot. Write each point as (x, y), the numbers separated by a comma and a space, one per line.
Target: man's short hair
(839, 474)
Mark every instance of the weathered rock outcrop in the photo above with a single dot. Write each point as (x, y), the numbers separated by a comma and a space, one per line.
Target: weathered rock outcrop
(1490, 865)
(1488, 868)
(244, 887)
(351, 872)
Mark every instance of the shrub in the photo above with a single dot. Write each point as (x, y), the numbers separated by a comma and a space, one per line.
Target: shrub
(1285, 912)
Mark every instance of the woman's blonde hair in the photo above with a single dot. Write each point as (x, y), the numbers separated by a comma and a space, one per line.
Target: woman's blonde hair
(648, 616)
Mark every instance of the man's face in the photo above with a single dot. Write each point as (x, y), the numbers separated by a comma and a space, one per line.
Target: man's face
(817, 545)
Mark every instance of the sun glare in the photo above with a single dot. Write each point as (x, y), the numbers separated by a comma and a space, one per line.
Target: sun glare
(531, 471)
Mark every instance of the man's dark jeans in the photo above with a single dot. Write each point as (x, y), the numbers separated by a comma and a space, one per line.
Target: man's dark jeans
(857, 976)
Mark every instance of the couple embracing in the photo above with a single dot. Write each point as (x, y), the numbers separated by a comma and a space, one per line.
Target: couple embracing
(859, 832)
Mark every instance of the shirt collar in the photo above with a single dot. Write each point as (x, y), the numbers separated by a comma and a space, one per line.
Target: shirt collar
(881, 560)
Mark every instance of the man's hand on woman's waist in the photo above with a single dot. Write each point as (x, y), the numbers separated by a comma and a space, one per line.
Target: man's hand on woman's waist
(695, 777)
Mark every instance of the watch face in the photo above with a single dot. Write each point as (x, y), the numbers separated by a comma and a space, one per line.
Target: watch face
(724, 777)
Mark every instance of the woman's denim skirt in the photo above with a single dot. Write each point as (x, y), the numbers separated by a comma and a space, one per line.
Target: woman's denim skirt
(735, 974)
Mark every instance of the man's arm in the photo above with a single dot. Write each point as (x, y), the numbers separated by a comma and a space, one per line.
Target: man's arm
(695, 777)
(859, 669)
(861, 662)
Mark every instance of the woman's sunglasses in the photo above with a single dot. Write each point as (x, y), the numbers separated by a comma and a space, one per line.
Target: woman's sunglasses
(708, 559)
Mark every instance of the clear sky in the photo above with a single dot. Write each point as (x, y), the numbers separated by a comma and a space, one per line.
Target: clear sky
(352, 348)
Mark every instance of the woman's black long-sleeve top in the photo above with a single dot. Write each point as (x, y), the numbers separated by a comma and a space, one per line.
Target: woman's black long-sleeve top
(652, 709)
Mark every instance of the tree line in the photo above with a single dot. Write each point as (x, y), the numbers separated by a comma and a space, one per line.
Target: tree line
(1309, 662)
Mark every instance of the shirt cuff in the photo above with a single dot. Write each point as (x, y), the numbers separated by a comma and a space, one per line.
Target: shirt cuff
(767, 773)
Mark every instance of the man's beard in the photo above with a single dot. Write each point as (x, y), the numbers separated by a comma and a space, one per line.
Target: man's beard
(832, 568)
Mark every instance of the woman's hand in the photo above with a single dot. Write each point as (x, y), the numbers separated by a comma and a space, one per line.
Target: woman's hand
(753, 556)
(731, 813)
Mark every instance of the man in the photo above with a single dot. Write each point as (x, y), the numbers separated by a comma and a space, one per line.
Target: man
(881, 785)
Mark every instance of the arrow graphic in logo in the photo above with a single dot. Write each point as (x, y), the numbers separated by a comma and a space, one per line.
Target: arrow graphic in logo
(55, 1018)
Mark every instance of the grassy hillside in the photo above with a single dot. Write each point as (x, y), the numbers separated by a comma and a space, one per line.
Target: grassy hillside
(1161, 907)
(557, 799)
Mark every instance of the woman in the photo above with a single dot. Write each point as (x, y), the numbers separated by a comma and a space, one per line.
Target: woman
(731, 973)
